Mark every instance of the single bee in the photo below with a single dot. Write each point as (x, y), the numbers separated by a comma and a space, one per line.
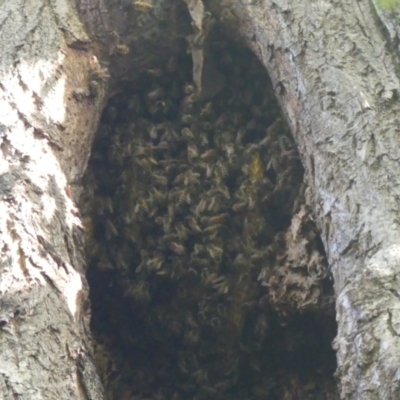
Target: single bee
(161, 179)
(98, 73)
(144, 163)
(156, 94)
(215, 252)
(172, 64)
(114, 36)
(201, 377)
(188, 103)
(155, 72)
(187, 119)
(208, 155)
(140, 206)
(122, 49)
(189, 89)
(184, 197)
(182, 231)
(193, 226)
(199, 249)
(238, 207)
(201, 206)
(221, 170)
(142, 6)
(110, 230)
(155, 264)
(104, 265)
(218, 219)
(157, 195)
(187, 134)
(176, 248)
(203, 139)
(80, 93)
(191, 337)
(94, 88)
(212, 229)
(139, 291)
(192, 152)
(206, 111)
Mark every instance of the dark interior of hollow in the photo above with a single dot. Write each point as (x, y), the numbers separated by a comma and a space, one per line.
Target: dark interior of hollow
(172, 316)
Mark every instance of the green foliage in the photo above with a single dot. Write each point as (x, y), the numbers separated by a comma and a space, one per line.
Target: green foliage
(387, 4)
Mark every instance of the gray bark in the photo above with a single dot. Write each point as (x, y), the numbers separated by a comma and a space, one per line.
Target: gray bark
(335, 73)
(47, 121)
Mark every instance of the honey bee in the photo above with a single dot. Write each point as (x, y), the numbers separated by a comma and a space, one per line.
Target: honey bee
(221, 170)
(104, 264)
(122, 49)
(183, 232)
(80, 93)
(184, 197)
(142, 6)
(155, 72)
(203, 139)
(110, 230)
(201, 377)
(187, 119)
(114, 36)
(172, 64)
(222, 287)
(176, 248)
(141, 206)
(157, 195)
(189, 89)
(206, 111)
(94, 88)
(193, 225)
(192, 152)
(98, 73)
(161, 179)
(156, 94)
(108, 204)
(212, 229)
(191, 337)
(218, 219)
(144, 163)
(187, 134)
(256, 169)
(201, 206)
(208, 155)
(139, 291)
(215, 252)
(167, 221)
(188, 103)
(155, 264)
(238, 207)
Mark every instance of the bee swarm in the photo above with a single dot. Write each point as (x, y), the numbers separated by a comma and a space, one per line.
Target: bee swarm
(208, 279)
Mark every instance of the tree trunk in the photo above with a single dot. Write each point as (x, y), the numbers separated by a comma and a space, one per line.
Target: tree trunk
(334, 71)
(48, 119)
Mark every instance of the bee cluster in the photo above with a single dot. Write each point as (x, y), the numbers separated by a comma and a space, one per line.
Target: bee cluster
(187, 212)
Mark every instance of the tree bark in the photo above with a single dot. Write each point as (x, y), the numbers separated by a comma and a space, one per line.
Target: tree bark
(48, 119)
(335, 72)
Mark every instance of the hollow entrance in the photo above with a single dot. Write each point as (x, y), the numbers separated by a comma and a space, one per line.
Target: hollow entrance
(207, 275)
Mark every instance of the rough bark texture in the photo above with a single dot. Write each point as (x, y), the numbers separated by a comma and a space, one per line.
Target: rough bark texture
(48, 117)
(337, 81)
